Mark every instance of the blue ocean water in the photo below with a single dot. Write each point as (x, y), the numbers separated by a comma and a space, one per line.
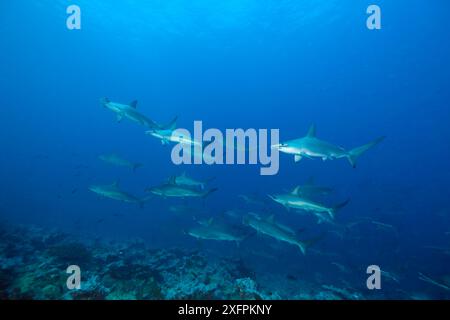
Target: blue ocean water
(237, 64)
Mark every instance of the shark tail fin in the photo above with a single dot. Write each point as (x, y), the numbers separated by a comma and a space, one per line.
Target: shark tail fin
(137, 165)
(144, 200)
(338, 207)
(304, 245)
(133, 104)
(209, 180)
(104, 101)
(207, 193)
(354, 154)
(172, 125)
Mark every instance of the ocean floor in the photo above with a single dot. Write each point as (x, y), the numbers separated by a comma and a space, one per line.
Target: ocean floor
(33, 264)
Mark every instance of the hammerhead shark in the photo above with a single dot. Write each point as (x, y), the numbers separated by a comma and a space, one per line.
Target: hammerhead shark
(312, 147)
(130, 112)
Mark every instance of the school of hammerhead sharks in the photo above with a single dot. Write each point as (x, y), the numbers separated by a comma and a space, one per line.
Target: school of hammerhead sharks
(301, 199)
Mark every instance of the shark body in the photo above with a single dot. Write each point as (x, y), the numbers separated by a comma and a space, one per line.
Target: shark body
(274, 230)
(116, 160)
(130, 112)
(112, 191)
(214, 230)
(185, 180)
(294, 201)
(312, 147)
(172, 189)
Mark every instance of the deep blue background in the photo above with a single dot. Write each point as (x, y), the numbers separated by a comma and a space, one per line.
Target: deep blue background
(248, 64)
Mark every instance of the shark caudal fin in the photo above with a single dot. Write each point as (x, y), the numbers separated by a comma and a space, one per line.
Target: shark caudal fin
(133, 104)
(144, 200)
(338, 207)
(304, 245)
(207, 193)
(104, 101)
(172, 125)
(354, 154)
(137, 165)
(207, 181)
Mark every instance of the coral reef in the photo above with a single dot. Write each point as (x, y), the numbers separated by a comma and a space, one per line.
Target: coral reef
(33, 265)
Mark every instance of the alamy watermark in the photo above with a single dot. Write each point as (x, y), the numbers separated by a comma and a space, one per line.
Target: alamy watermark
(235, 146)
(74, 280)
(374, 280)
(374, 20)
(73, 21)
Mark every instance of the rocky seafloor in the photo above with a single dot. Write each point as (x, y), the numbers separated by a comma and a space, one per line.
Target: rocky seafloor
(33, 264)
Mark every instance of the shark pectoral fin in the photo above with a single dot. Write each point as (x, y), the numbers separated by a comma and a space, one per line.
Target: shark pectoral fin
(297, 158)
(119, 117)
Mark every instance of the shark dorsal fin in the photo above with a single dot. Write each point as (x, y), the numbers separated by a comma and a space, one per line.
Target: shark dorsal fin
(310, 181)
(133, 104)
(312, 131)
(295, 191)
(271, 218)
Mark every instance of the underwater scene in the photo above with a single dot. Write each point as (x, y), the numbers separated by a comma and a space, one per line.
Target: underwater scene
(224, 150)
